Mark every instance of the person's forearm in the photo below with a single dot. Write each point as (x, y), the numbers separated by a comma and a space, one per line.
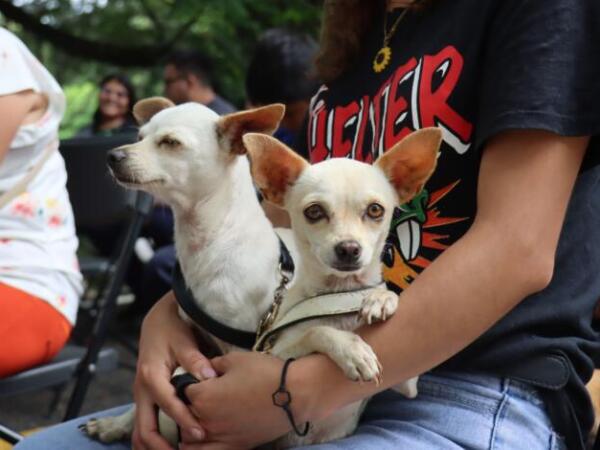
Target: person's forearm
(507, 254)
(166, 306)
(13, 110)
(446, 308)
(462, 294)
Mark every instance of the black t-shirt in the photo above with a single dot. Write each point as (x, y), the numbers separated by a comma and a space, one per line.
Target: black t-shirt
(475, 68)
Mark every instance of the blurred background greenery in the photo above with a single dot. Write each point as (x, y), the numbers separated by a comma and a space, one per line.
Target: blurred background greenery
(80, 41)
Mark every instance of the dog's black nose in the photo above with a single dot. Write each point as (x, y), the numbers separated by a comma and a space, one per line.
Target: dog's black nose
(348, 252)
(116, 156)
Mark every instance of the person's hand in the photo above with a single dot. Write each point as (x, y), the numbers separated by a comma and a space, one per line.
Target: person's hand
(236, 409)
(166, 342)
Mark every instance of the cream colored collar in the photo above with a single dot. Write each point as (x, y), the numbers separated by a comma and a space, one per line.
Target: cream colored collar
(326, 305)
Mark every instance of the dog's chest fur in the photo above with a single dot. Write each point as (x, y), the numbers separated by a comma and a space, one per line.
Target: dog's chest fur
(229, 253)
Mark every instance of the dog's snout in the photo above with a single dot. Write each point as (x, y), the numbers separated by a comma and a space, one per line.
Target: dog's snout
(348, 252)
(116, 156)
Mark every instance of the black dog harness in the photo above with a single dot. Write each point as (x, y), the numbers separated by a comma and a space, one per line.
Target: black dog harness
(269, 326)
(233, 336)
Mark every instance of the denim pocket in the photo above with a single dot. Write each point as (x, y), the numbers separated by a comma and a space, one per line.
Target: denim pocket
(463, 392)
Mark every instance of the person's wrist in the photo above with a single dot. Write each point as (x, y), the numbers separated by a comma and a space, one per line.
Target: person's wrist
(164, 307)
(168, 301)
(311, 391)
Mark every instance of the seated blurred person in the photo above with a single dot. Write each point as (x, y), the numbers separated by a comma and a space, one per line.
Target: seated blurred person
(115, 103)
(40, 283)
(114, 115)
(188, 77)
(280, 72)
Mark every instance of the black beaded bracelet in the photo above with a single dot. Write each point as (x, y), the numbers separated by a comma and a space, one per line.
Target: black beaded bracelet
(283, 399)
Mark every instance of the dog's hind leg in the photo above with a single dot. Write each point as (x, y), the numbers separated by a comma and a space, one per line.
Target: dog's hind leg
(110, 429)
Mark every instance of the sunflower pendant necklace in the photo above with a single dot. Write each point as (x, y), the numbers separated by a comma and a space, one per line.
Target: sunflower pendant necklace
(384, 55)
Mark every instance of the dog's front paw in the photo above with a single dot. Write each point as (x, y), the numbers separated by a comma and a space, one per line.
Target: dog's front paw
(359, 362)
(107, 429)
(378, 306)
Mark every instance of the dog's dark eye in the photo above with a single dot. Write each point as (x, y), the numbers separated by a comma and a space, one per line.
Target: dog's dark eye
(314, 213)
(169, 141)
(375, 211)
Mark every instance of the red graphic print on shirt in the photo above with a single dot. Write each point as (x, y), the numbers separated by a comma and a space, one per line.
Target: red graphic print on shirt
(416, 95)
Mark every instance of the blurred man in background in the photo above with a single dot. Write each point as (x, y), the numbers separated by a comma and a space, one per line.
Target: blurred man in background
(188, 77)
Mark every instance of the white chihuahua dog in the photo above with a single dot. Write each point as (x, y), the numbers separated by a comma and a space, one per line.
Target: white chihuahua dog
(195, 161)
(340, 212)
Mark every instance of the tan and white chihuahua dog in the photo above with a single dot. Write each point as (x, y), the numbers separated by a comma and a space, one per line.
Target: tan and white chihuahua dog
(195, 161)
(340, 211)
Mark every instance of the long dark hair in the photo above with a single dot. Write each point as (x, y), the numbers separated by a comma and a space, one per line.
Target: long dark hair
(126, 83)
(279, 70)
(344, 26)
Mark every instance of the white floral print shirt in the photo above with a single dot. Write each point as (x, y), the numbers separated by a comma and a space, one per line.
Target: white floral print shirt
(37, 231)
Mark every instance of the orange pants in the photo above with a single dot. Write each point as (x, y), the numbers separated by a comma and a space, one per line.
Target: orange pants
(31, 331)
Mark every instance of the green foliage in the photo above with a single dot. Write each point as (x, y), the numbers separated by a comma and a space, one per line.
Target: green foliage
(82, 100)
(226, 30)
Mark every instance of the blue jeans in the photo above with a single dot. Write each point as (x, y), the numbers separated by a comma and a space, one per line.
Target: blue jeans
(452, 411)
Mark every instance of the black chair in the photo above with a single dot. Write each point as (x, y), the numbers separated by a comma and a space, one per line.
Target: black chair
(95, 199)
(101, 206)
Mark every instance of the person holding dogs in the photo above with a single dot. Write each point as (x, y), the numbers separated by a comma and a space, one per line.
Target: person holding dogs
(495, 260)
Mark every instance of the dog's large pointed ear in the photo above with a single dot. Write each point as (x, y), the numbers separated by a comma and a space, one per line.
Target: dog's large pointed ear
(274, 166)
(232, 127)
(409, 164)
(145, 109)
